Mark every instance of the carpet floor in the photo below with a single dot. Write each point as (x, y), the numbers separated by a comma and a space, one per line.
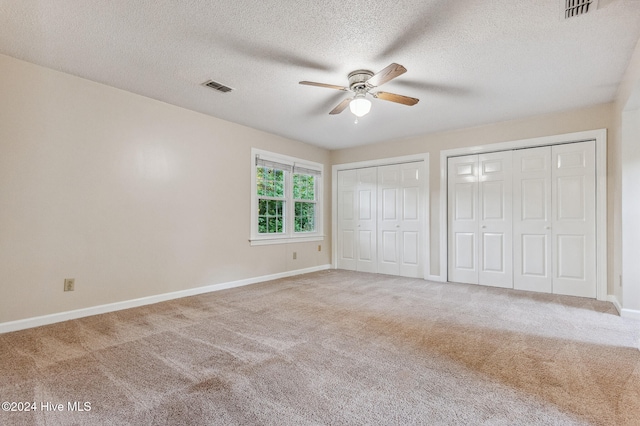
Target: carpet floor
(332, 348)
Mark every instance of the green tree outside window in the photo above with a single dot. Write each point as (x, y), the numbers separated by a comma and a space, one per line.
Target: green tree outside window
(304, 195)
(271, 203)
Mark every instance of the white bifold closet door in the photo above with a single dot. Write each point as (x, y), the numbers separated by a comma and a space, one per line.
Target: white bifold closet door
(532, 219)
(555, 219)
(480, 223)
(525, 219)
(380, 219)
(357, 219)
(399, 222)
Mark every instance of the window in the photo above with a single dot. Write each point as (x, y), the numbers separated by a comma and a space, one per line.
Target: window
(304, 198)
(271, 200)
(286, 198)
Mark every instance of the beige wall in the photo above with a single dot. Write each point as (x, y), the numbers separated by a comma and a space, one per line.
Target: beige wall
(596, 117)
(133, 197)
(130, 196)
(624, 178)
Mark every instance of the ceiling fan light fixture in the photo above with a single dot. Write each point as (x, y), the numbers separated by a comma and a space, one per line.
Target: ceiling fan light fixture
(360, 105)
(361, 82)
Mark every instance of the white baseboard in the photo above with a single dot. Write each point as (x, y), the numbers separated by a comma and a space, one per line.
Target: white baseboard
(22, 324)
(630, 313)
(625, 313)
(613, 299)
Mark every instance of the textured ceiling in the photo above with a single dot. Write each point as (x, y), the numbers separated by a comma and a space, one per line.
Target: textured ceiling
(470, 62)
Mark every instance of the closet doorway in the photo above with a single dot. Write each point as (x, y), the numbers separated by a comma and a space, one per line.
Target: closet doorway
(529, 217)
(380, 218)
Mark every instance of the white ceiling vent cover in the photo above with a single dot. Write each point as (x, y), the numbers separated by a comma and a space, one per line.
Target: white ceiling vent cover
(217, 86)
(573, 8)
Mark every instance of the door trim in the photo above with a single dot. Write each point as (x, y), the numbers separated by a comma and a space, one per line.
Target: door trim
(600, 137)
(375, 163)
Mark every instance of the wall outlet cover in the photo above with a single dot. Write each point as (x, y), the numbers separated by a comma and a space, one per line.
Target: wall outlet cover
(69, 284)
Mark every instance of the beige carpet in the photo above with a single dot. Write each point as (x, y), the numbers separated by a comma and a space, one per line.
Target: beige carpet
(332, 348)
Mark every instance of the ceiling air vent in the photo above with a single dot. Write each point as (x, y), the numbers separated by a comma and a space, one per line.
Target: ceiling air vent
(217, 86)
(573, 8)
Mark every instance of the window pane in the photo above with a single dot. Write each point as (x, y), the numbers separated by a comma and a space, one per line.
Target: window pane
(279, 184)
(311, 186)
(269, 188)
(271, 225)
(296, 186)
(305, 217)
(279, 189)
(270, 216)
(260, 181)
(304, 187)
(270, 182)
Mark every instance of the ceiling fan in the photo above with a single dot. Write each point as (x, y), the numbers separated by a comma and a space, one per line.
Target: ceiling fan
(361, 82)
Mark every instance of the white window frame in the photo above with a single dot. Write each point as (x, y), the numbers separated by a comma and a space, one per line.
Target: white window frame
(289, 235)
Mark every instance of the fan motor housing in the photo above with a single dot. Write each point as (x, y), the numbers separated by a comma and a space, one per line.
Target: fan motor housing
(358, 80)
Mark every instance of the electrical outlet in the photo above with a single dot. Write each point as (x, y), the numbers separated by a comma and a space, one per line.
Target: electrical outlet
(319, 247)
(295, 255)
(69, 284)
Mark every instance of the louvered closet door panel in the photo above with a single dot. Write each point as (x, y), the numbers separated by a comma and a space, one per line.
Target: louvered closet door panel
(574, 219)
(347, 219)
(532, 219)
(495, 233)
(366, 209)
(462, 200)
